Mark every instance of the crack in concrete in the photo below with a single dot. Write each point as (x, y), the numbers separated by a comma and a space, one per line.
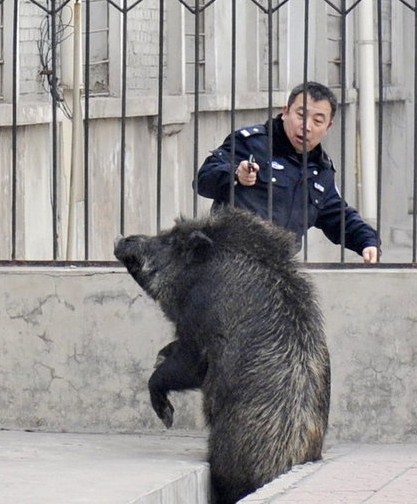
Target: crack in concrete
(75, 356)
(45, 339)
(110, 296)
(31, 316)
(53, 375)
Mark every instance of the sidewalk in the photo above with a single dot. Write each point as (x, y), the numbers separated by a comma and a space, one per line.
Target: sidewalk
(42, 468)
(348, 474)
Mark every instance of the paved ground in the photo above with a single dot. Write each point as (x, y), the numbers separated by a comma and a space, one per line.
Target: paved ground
(349, 474)
(40, 468)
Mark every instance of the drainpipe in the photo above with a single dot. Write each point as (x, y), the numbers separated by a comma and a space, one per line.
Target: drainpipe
(76, 193)
(367, 111)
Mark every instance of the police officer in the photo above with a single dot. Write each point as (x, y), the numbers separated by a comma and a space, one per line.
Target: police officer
(252, 173)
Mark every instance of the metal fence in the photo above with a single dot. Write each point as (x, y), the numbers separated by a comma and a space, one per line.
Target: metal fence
(52, 11)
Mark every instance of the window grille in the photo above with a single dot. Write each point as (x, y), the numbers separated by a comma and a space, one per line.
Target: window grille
(190, 41)
(138, 125)
(386, 42)
(334, 44)
(263, 51)
(99, 46)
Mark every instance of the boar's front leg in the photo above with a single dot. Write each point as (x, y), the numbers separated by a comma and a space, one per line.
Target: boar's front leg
(177, 368)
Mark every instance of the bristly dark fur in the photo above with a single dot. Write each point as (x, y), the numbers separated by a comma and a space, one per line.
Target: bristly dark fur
(249, 333)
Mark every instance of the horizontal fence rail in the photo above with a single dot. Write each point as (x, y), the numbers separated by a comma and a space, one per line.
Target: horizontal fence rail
(104, 132)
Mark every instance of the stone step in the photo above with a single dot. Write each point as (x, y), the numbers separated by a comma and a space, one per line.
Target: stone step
(45, 468)
(161, 468)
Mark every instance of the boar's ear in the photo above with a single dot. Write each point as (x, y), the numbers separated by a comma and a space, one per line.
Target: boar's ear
(199, 247)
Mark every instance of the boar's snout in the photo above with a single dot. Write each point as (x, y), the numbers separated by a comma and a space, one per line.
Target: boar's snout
(117, 243)
(117, 240)
(125, 247)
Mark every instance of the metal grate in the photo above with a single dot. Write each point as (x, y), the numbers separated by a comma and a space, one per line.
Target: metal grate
(274, 31)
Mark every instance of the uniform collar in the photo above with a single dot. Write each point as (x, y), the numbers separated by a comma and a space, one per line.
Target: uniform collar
(282, 146)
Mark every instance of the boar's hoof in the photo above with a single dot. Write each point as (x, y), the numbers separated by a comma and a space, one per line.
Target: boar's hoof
(167, 416)
(162, 406)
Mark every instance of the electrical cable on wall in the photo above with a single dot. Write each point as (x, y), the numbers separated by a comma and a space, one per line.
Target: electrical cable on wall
(63, 31)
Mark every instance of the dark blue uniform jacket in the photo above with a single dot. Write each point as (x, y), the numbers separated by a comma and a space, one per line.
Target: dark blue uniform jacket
(324, 201)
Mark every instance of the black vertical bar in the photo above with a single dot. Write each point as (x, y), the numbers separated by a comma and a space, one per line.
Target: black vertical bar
(160, 105)
(380, 121)
(14, 128)
(54, 130)
(305, 174)
(343, 134)
(123, 118)
(87, 131)
(415, 140)
(233, 105)
(270, 122)
(196, 94)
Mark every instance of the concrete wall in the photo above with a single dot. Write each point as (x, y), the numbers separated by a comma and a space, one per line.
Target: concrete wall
(371, 320)
(78, 346)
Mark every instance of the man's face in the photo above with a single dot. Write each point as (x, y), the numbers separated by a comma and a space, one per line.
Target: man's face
(318, 122)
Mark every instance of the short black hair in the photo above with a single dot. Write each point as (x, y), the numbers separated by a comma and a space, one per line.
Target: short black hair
(317, 92)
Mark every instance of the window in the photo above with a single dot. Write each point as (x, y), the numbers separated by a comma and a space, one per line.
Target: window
(99, 45)
(264, 51)
(143, 48)
(386, 42)
(190, 41)
(334, 45)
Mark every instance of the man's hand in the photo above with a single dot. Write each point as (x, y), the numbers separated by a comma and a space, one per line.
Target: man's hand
(370, 255)
(246, 173)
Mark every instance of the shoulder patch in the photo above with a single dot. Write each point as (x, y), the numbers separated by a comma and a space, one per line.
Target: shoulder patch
(259, 129)
(327, 161)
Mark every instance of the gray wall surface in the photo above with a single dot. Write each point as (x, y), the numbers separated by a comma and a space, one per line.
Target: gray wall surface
(78, 346)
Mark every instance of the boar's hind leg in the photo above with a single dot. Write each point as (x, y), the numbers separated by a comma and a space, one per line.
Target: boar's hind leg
(176, 369)
(165, 352)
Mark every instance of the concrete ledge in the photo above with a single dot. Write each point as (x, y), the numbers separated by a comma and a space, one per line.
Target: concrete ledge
(171, 469)
(106, 469)
(78, 346)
